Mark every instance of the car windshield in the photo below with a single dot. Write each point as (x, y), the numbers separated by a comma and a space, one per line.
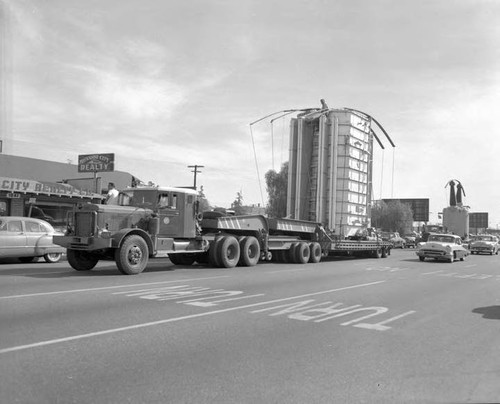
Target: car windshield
(485, 238)
(442, 238)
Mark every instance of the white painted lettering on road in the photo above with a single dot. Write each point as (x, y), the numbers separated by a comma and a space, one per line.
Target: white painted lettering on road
(175, 319)
(320, 312)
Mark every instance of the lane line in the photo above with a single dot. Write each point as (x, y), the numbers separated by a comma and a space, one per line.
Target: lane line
(108, 287)
(174, 319)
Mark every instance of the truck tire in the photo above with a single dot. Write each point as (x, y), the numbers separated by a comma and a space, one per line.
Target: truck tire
(302, 253)
(314, 253)
(384, 252)
(213, 259)
(228, 252)
(81, 260)
(290, 255)
(52, 258)
(377, 253)
(132, 257)
(182, 259)
(249, 252)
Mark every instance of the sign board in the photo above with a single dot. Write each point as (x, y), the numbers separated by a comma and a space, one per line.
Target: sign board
(91, 163)
(13, 195)
(478, 220)
(419, 207)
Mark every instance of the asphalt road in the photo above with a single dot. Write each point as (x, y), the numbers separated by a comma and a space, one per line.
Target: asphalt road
(392, 330)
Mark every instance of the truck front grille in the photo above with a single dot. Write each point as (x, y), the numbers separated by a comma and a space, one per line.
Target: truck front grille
(85, 224)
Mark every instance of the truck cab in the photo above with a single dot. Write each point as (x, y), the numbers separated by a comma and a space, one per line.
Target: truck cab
(176, 208)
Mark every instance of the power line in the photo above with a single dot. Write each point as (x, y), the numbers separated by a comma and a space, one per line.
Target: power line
(195, 171)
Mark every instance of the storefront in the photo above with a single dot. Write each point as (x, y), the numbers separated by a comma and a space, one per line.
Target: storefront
(44, 200)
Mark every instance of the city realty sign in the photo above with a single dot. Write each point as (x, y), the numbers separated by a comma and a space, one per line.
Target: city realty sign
(92, 163)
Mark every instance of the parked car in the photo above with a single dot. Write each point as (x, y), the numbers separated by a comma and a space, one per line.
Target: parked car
(447, 247)
(484, 243)
(410, 240)
(394, 238)
(27, 238)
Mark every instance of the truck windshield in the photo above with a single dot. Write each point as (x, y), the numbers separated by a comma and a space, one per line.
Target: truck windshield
(137, 198)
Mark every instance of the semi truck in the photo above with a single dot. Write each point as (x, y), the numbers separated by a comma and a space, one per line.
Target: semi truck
(328, 203)
(154, 222)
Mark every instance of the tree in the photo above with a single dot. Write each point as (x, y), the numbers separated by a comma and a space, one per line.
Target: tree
(392, 216)
(277, 186)
(237, 204)
(204, 205)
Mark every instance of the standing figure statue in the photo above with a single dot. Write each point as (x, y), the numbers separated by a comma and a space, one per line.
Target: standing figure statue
(455, 196)
(453, 199)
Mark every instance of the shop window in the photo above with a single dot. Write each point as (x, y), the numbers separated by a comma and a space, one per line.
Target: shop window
(4, 208)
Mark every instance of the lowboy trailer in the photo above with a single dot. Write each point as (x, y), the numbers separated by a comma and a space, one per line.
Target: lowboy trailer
(154, 222)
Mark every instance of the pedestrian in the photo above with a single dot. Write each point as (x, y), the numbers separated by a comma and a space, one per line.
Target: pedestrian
(112, 197)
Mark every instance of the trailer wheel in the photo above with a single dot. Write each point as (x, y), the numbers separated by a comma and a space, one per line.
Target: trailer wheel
(249, 252)
(132, 257)
(314, 253)
(81, 260)
(228, 252)
(302, 253)
(421, 258)
(384, 252)
(377, 253)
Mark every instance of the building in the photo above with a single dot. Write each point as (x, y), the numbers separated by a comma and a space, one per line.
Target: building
(48, 190)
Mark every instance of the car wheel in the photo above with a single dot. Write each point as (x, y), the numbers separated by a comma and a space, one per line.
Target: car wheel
(52, 258)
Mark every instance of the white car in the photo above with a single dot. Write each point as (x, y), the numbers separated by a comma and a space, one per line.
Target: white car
(27, 238)
(484, 243)
(446, 247)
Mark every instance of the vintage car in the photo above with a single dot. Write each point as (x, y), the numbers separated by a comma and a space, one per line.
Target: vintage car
(447, 247)
(27, 238)
(410, 240)
(394, 238)
(484, 243)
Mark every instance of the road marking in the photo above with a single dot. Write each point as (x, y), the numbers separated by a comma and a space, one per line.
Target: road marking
(325, 311)
(107, 287)
(434, 272)
(290, 270)
(175, 319)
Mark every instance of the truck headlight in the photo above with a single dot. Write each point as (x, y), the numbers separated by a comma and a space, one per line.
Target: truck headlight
(104, 233)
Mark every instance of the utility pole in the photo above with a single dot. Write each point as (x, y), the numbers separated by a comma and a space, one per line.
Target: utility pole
(195, 171)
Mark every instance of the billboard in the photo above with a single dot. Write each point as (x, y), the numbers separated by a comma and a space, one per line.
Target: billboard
(419, 207)
(92, 163)
(478, 220)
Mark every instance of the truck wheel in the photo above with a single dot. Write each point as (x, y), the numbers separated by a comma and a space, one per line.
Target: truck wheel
(228, 252)
(249, 252)
(384, 253)
(52, 258)
(290, 253)
(132, 257)
(421, 258)
(302, 253)
(81, 260)
(377, 253)
(182, 259)
(314, 253)
(213, 259)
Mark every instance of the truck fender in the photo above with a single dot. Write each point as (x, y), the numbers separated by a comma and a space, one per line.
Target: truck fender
(120, 235)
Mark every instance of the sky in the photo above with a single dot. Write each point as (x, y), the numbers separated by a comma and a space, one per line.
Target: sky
(165, 84)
